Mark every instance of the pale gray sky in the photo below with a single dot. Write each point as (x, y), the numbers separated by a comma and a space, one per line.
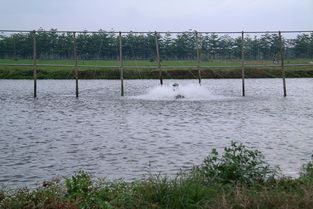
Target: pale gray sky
(161, 15)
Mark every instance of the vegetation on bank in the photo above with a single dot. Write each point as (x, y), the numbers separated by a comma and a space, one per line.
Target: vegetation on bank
(96, 73)
(139, 49)
(143, 62)
(238, 178)
(22, 72)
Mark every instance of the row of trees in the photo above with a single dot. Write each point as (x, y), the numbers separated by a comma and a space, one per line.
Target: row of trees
(54, 45)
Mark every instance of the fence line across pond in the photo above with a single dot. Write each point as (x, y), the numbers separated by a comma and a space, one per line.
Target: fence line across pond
(159, 66)
(178, 32)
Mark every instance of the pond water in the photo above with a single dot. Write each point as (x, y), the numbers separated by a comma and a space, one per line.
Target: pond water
(148, 130)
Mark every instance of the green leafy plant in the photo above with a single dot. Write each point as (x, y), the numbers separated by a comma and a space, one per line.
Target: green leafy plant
(307, 170)
(237, 165)
(78, 185)
(2, 195)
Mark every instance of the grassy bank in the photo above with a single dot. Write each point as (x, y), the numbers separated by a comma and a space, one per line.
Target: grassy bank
(239, 178)
(65, 73)
(19, 72)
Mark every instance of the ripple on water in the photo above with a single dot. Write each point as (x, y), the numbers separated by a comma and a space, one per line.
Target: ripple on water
(148, 130)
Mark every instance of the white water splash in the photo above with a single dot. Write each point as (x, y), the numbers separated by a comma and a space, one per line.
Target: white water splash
(190, 92)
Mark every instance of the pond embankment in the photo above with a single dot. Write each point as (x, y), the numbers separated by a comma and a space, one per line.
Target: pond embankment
(57, 73)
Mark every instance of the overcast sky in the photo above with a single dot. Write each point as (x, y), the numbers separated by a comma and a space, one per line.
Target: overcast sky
(161, 15)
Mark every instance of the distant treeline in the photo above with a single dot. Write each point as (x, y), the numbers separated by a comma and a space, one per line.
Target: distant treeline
(54, 45)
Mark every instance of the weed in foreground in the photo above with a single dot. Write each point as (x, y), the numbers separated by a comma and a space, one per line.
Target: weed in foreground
(237, 165)
(239, 178)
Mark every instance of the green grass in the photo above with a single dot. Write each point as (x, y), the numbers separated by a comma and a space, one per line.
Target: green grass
(117, 63)
(237, 178)
(153, 63)
(25, 72)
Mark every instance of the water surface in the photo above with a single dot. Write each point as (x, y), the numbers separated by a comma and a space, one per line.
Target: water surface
(148, 130)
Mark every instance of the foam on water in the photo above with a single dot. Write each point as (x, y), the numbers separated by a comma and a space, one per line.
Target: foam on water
(190, 92)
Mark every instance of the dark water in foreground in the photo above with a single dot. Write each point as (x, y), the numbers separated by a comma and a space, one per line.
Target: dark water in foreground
(116, 137)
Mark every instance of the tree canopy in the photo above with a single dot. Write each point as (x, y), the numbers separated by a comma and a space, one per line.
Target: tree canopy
(55, 45)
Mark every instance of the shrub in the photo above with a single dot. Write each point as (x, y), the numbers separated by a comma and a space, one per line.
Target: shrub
(307, 170)
(78, 188)
(2, 195)
(237, 165)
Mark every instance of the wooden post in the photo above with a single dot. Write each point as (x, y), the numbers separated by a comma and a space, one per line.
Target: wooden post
(243, 63)
(34, 64)
(76, 63)
(14, 47)
(121, 64)
(282, 63)
(198, 57)
(158, 57)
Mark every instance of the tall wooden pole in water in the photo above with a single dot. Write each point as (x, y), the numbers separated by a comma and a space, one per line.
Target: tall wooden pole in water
(34, 64)
(76, 62)
(121, 64)
(198, 56)
(243, 63)
(282, 64)
(158, 57)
